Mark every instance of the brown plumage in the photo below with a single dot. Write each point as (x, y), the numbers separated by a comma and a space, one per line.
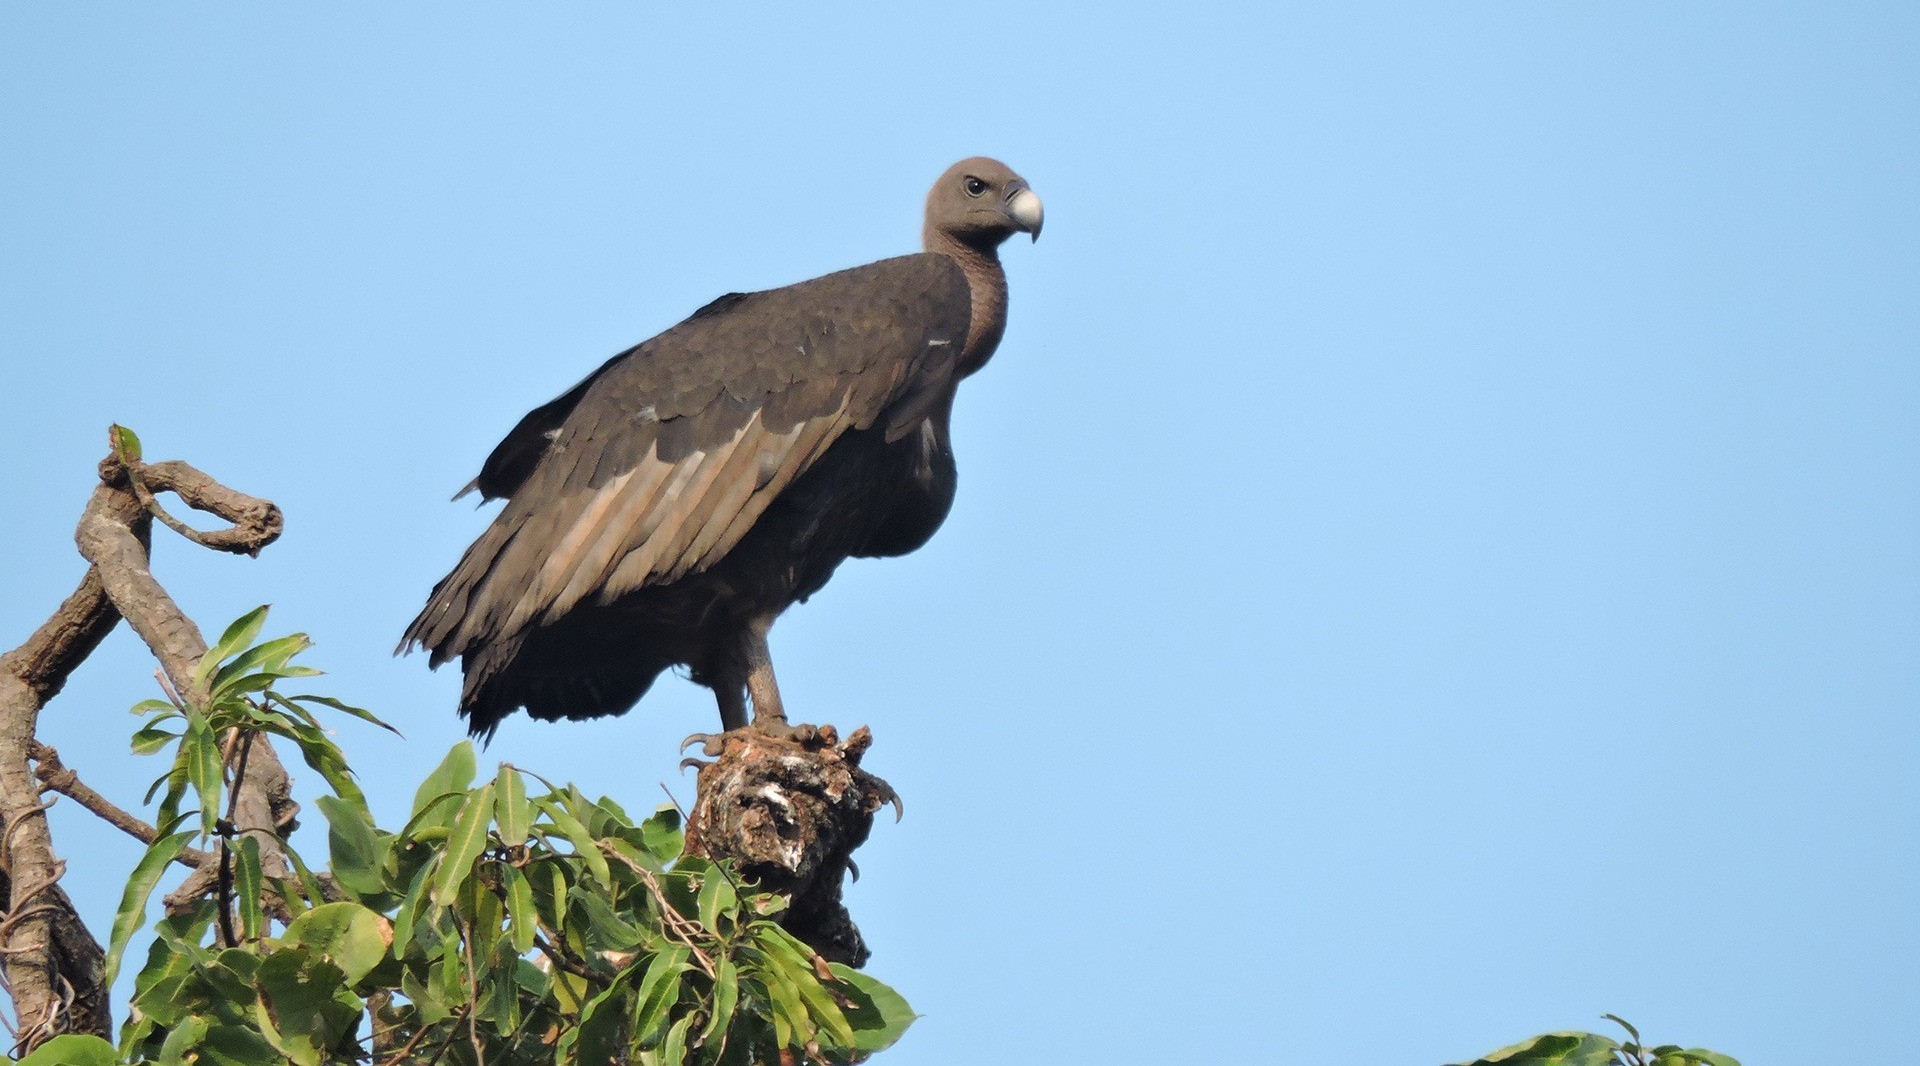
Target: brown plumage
(665, 510)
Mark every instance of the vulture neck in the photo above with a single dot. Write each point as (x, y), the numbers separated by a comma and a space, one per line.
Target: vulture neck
(989, 286)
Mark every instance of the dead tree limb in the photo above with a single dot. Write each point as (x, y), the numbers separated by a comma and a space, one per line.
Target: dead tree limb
(790, 812)
(52, 964)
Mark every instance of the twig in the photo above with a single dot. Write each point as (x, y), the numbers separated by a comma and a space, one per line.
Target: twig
(55, 776)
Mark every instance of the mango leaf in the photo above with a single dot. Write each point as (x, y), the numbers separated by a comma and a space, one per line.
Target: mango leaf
(238, 635)
(610, 932)
(200, 750)
(1554, 1049)
(124, 442)
(716, 897)
(503, 1007)
(182, 1039)
(454, 774)
(673, 1050)
(357, 850)
(151, 739)
(133, 902)
(796, 963)
(358, 712)
(270, 657)
(305, 1006)
(658, 990)
(465, 843)
(346, 935)
(73, 1050)
(511, 809)
(576, 834)
(879, 1015)
(661, 833)
(601, 1035)
(523, 919)
(247, 886)
(236, 1045)
(413, 910)
(726, 993)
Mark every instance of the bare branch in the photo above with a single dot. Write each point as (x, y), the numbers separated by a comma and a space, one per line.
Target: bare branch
(50, 962)
(56, 777)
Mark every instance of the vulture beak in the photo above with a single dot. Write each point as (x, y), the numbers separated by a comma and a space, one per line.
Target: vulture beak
(1024, 208)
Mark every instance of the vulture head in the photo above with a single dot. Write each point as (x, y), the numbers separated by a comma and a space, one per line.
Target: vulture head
(980, 202)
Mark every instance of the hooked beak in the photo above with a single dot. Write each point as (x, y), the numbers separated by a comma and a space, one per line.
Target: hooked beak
(1024, 208)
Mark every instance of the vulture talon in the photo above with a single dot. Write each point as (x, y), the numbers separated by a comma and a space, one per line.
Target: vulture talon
(697, 764)
(711, 744)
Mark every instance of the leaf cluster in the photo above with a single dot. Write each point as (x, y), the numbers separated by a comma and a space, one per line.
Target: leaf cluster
(1592, 1049)
(500, 924)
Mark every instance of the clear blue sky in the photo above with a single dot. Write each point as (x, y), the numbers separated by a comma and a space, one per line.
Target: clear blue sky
(1437, 555)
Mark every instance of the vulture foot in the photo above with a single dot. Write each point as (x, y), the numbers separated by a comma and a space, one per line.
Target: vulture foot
(712, 744)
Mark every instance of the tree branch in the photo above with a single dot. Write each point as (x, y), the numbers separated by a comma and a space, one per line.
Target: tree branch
(51, 963)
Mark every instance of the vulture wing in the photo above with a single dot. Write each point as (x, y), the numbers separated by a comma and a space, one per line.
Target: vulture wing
(657, 464)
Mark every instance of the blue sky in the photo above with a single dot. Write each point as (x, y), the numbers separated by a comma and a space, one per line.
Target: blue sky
(1436, 555)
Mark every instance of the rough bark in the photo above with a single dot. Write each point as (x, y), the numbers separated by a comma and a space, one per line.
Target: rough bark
(51, 962)
(790, 812)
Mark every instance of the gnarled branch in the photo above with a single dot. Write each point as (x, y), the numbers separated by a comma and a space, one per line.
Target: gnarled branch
(51, 962)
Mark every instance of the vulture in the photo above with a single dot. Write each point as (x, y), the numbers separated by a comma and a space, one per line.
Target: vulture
(664, 511)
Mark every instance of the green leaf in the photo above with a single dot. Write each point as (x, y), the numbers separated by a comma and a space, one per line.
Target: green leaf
(511, 809)
(454, 774)
(237, 637)
(576, 834)
(661, 833)
(503, 1009)
(182, 1037)
(658, 991)
(234, 1045)
(133, 902)
(309, 884)
(356, 848)
(360, 713)
(124, 442)
(347, 935)
(523, 919)
(247, 886)
(796, 961)
(726, 993)
(270, 657)
(610, 932)
(673, 1050)
(72, 1049)
(413, 909)
(1554, 1049)
(601, 1036)
(151, 739)
(452, 969)
(200, 749)
(716, 896)
(879, 1015)
(465, 843)
(1699, 1055)
(305, 1006)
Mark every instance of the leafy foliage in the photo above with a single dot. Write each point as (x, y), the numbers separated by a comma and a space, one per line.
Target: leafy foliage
(1592, 1049)
(500, 924)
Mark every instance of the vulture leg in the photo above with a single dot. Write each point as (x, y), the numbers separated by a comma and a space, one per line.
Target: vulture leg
(768, 713)
(731, 693)
(746, 674)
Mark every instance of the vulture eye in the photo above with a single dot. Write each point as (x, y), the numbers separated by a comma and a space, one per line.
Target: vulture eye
(975, 186)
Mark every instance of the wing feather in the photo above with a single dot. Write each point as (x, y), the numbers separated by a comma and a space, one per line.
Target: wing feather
(673, 452)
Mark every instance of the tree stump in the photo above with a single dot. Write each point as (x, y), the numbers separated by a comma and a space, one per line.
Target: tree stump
(789, 812)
